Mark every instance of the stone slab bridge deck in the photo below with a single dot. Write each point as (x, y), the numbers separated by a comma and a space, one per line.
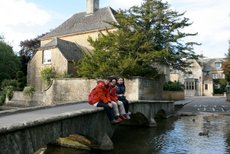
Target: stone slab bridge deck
(23, 131)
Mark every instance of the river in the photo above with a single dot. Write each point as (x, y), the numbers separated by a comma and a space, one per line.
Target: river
(202, 134)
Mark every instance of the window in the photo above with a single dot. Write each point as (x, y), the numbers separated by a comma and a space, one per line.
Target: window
(189, 74)
(215, 76)
(190, 85)
(46, 56)
(218, 65)
(206, 86)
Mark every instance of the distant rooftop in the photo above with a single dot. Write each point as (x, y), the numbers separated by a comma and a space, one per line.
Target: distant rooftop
(209, 63)
(81, 22)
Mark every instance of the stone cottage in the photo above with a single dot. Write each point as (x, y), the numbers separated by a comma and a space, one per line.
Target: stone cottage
(65, 45)
(68, 43)
(198, 81)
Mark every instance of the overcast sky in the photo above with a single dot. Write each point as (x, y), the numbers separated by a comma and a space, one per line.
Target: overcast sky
(26, 19)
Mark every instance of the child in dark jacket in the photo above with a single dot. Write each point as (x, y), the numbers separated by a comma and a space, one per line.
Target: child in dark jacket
(121, 95)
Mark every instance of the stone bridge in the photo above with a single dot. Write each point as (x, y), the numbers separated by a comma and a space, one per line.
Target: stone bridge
(23, 131)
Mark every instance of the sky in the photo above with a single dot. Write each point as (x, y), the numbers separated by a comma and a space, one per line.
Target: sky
(26, 19)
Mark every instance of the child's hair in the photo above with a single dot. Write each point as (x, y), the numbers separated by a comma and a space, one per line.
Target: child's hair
(99, 81)
(113, 78)
(109, 78)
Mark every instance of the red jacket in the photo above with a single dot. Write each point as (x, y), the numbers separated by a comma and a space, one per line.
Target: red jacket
(99, 93)
(113, 94)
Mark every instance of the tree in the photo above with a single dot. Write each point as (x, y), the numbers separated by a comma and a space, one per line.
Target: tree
(9, 62)
(146, 36)
(226, 65)
(29, 47)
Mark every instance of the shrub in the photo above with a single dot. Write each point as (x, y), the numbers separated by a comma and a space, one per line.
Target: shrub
(219, 91)
(8, 91)
(2, 98)
(9, 82)
(173, 86)
(47, 74)
(28, 91)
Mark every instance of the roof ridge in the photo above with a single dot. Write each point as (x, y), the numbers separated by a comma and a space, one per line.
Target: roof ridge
(79, 22)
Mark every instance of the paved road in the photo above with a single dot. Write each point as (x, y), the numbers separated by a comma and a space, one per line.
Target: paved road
(213, 104)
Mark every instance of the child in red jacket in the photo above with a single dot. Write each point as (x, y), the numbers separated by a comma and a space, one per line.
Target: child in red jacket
(99, 98)
(117, 105)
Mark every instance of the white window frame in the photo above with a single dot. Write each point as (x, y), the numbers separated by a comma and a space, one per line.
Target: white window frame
(214, 76)
(218, 65)
(46, 57)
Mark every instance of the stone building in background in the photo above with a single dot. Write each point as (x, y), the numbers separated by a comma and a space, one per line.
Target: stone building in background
(198, 81)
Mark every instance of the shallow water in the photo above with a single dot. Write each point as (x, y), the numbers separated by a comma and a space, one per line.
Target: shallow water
(172, 136)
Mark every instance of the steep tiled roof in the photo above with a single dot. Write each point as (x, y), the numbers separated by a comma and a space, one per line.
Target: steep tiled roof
(81, 22)
(209, 63)
(71, 51)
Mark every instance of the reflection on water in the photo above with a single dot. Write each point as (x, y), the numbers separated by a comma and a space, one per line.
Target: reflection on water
(185, 138)
(180, 136)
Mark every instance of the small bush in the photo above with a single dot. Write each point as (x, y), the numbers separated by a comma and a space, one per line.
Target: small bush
(28, 91)
(47, 74)
(2, 97)
(7, 83)
(8, 91)
(173, 86)
(219, 91)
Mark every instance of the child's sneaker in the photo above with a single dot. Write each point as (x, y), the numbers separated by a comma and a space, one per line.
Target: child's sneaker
(123, 117)
(116, 121)
(127, 116)
(119, 119)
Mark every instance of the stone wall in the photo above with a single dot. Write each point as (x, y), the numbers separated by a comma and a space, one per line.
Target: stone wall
(208, 87)
(173, 95)
(21, 100)
(78, 89)
(228, 97)
(150, 89)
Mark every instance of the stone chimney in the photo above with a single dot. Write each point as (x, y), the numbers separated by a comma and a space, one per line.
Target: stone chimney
(92, 6)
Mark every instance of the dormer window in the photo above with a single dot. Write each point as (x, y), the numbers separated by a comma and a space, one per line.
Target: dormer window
(47, 57)
(218, 65)
(189, 74)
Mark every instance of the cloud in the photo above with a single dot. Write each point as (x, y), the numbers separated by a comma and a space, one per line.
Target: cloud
(21, 20)
(211, 20)
(123, 4)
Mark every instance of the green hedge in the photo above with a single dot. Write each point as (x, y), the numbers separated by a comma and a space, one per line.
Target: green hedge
(2, 97)
(173, 86)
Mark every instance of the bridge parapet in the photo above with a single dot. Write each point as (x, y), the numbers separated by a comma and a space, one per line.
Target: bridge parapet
(45, 125)
(152, 109)
(27, 137)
